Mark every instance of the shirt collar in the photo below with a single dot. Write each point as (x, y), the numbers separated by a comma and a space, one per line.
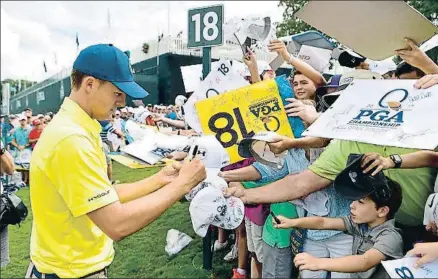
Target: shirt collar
(390, 224)
(75, 112)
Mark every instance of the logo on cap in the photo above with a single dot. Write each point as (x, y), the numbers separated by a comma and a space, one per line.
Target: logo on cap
(353, 176)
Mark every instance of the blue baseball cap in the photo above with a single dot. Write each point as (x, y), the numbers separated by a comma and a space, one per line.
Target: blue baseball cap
(106, 62)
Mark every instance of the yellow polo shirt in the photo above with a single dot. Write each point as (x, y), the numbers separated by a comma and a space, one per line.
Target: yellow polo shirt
(69, 179)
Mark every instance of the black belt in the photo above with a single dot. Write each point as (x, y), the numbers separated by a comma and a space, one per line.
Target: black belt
(39, 275)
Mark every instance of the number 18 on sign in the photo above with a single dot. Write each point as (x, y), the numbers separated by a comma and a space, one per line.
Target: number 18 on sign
(205, 27)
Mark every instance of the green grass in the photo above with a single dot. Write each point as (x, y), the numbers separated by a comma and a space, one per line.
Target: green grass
(140, 255)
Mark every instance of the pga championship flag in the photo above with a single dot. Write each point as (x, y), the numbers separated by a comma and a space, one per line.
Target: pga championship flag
(240, 113)
(382, 112)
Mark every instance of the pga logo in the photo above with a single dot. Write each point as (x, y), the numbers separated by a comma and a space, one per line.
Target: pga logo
(390, 110)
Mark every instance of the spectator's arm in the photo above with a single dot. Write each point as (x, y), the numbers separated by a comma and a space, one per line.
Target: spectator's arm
(307, 70)
(14, 142)
(175, 123)
(118, 132)
(248, 173)
(250, 61)
(286, 143)
(7, 163)
(289, 188)
(348, 264)
(312, 223)
(419, 159)
(417, 58)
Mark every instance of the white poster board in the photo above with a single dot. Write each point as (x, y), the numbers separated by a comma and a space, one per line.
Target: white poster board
(404, 268)
(222, 78)
(432, 43)
(192, 76)
(383, 112)
(318, 58)
(373, 29)
(155, 146)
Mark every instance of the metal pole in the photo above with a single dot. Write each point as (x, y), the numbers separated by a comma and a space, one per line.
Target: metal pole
(207, 251)
(168, 19)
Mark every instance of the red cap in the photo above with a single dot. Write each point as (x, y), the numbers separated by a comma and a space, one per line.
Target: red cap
(36, 122)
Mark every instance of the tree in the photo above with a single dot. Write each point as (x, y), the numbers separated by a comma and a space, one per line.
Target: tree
(429, 8)
(14, 85)
(291, 25)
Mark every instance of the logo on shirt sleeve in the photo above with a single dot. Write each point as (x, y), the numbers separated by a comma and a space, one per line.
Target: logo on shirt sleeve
(98, 196)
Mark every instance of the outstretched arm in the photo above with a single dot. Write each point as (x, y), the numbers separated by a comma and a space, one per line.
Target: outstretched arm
(301, 66)
(348, 264)
(313, 223)
(289, 188)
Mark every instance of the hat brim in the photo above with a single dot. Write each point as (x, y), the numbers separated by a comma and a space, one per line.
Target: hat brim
(347, 189)
(344, 184)
(131, 88)
(244, 148)
(263, 155)
(330, 99)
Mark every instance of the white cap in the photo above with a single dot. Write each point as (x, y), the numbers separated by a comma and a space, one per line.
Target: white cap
(210, 207)
(383, 67)
(131, 110)
(431, 209)
(22, 117)
(118, 112)
(345, 81)
(212, 180)
(180, 100)
(211, 153)
(125, 110)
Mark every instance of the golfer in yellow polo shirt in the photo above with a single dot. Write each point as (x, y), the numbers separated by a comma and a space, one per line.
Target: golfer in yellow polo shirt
(77, 213)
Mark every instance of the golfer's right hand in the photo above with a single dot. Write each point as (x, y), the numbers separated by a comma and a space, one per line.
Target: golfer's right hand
(192, 173)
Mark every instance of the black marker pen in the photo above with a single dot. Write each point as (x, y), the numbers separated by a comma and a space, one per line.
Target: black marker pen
(275, 218)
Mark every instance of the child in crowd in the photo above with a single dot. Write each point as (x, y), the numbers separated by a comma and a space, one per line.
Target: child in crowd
(371, 223)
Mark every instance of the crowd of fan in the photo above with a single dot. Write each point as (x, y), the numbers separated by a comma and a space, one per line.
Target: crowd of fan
(375, 229)
(357, 234)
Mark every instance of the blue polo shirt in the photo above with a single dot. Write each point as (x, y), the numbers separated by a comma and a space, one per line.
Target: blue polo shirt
(172, 116)
(21, 136)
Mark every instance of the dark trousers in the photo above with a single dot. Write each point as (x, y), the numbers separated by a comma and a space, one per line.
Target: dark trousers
(414, 234)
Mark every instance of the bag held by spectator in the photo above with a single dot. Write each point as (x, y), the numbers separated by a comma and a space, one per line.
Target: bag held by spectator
(12, 210)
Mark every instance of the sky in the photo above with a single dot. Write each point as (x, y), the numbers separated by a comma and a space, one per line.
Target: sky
(33, 32)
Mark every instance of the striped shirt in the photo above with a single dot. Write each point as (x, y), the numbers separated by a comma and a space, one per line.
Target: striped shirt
(107, 127)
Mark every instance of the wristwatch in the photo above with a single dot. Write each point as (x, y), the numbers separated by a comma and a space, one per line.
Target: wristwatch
(396, 159)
